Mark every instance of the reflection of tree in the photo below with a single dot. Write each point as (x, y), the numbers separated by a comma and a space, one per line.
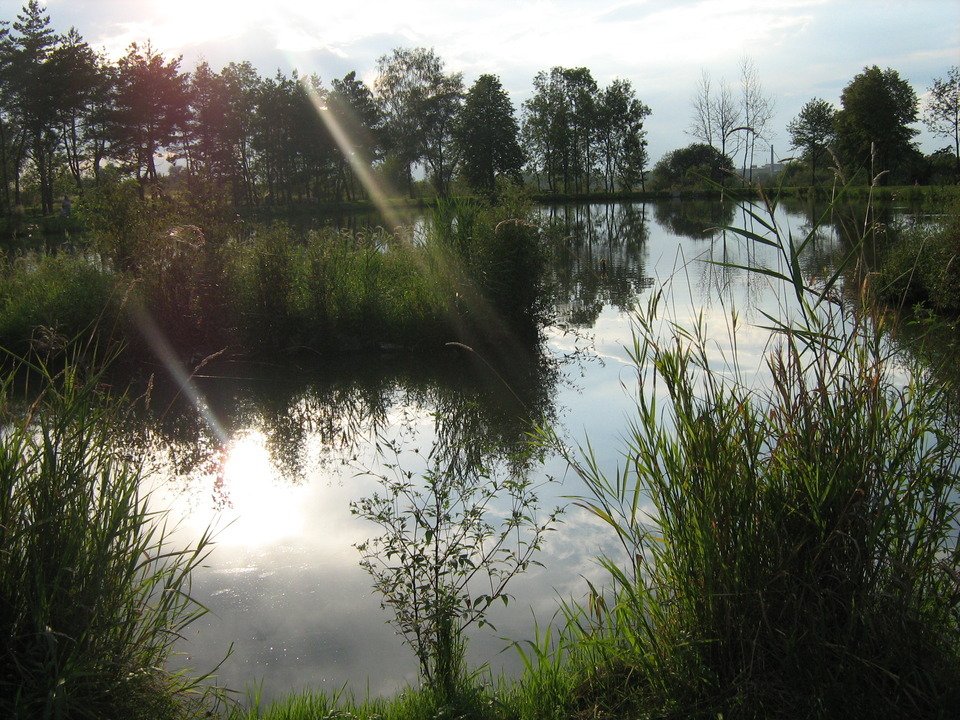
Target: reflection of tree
(481, 411)
(599, 258)
(697, 219)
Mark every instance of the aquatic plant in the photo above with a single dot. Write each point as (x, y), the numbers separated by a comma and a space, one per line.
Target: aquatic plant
(452, 541)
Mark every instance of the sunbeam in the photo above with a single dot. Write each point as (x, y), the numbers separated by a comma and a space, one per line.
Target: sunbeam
(161, 348)
(377, 192)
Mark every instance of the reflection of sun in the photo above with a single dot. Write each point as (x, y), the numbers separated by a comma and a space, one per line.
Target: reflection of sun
(266, 511)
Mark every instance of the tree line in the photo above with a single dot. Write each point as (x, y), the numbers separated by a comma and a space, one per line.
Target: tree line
(68, 116)
(872, 127)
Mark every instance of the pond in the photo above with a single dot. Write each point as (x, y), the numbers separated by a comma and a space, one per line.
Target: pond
(272, 457)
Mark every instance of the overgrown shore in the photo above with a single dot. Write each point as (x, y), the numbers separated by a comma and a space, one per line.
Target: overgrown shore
(787, 552)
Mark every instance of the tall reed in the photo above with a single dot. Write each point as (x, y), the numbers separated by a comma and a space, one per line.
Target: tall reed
(92, 596)
(789, 551)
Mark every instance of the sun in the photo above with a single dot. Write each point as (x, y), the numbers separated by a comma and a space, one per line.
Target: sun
(264, 509)
(182, 23)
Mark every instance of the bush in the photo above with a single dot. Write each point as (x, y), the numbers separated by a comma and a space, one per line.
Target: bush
(923, 266)
(46, 299)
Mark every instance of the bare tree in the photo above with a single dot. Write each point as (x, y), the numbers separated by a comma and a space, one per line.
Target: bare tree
(728, 119)
(716, 116)
(702, 124)
(757, 111)
(942, 110)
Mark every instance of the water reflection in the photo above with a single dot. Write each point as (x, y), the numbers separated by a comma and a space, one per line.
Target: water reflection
(600, 259)
(284, 583)
(695, 219)
(476, 403)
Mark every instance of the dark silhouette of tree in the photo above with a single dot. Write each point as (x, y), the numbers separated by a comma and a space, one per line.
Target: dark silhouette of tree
(152, 105)
(812, 131)
(355, 111)
(941, 113)
(621, 139)
(488, 135)
(33, 81)
(241, 87)
(8, 131)
(873, 124)
(420, 103)
(207, 148)
(692, 166)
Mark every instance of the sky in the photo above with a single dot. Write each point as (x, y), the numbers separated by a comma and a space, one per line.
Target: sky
(801, 48)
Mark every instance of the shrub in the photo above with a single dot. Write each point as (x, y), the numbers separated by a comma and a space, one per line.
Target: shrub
(923, 266)
(45, 299)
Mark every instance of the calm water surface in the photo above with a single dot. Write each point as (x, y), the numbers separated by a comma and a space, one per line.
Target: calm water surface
(277, 454)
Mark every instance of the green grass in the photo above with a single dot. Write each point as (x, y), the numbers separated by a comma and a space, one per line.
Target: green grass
(93, 595)
(474, 278)
(46, 299)
(922, 266)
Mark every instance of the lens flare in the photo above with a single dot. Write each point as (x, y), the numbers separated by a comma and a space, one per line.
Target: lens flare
(161, 348)
(341, 135)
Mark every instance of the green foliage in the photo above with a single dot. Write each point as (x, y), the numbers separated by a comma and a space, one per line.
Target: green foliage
(788, 552)
(411, 704)
(487, 135)
(93, 595)
(695, 166)
(448, 550)
(873, 125)
(923, 266)
(812, 131)
(47, 299)
(420, 103)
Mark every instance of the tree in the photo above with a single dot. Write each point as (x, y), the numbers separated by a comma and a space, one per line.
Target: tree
(487, 135)
(355, 111)
(241, 85)
(152, 109)
(560, 122)
(757, 111)
(716, 116)
(872, 125)
(79, 82)
(544, 129)
(942, 111)
(32, 82)
(692, 166)
(207, 150)
(621, 139)
(812, 131)
(420, 103)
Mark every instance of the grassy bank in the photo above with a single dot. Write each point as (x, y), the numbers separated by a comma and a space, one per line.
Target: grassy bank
(93, 596)
(920, 266)
(474, 278)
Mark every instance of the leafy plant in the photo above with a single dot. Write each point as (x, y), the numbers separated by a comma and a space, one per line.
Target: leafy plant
(452, 540)
(789, 550)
